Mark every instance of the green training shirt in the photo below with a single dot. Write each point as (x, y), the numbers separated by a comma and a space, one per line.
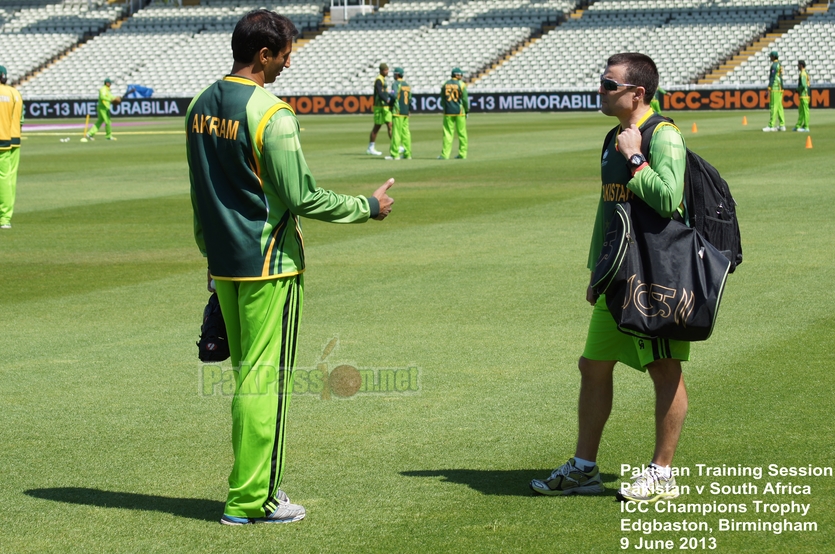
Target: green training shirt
(454, 99)
(803, 83)
(250, 183)
(105, 97)
(661, 185)
(381, 97)
(11, 117)
(401, 96)
(775, 76)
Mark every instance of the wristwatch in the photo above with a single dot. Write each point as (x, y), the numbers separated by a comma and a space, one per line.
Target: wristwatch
(637, 160)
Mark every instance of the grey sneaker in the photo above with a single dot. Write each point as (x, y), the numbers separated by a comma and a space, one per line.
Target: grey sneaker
(649, 486)
(286, 512)
(569, 479)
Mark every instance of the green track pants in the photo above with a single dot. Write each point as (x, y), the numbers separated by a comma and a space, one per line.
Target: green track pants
(777, 117)
(103, 117)
(9, 163)
(803, 113)
(452, 124)
(400, 136)
(262, 319)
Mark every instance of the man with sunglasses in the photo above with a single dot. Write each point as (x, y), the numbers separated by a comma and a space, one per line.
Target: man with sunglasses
(626, 88)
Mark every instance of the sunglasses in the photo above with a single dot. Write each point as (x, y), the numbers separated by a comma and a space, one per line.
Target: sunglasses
(609, 84)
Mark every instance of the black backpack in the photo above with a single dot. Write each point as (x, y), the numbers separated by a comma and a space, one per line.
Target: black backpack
(710, 205)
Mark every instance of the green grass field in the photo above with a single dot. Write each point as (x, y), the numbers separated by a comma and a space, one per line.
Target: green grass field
(111, 444)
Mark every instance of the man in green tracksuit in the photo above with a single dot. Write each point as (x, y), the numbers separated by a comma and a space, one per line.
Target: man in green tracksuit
(803, 92)
(655, 103)
(250, 185)
(382, 114)
(401, 136)
(106, 98)
(456, 106)
(777, 118)
(11, 120)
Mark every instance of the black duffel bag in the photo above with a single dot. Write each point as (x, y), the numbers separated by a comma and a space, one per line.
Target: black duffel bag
(212, 346)
(661, 278)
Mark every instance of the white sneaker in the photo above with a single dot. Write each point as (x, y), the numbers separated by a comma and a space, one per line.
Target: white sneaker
(769, 129)
(401, 149)
(649, 486)
(803, 130)
(781, 128)
(389, 158)
(6, 226)
(569, 479)
(286, 512)
(373, 152)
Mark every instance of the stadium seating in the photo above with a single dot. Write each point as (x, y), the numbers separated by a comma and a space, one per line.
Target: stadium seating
(357, 52)
(25, 52)
(687, 38)
(684, 38)
(148, 48)
(75, 17)
(33, 33)
(813, 41)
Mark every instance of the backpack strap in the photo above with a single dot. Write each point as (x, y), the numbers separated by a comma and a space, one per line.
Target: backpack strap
(648, 130)
(608, 139)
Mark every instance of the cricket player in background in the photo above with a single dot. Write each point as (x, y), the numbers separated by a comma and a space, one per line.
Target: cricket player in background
(803, 93)
(382, 113)
(11, 120)
(106, 98)
(777, 118)
(456, 106)
(655, 103)
(250, 187)
(401, 136)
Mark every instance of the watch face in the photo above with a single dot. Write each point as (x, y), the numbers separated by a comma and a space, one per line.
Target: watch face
(636, 160)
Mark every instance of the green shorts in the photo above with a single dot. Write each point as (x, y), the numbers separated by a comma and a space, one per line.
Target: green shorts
(605, 343)
(382, 115)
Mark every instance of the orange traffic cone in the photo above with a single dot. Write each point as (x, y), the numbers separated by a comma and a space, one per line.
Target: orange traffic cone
(744, 120)
(695, 129)
(808, 142)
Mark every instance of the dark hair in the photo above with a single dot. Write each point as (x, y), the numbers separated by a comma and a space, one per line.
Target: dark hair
(640, 70)
(259, 29)
(3, 78)
(801, 63)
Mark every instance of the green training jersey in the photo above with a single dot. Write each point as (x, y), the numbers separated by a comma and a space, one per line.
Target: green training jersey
(11, 117)
(775, 76)
(105, 98)
(803, 83)
(661, 185)
(454, 99)
(401, 95)
(250, 183)
(381, 97)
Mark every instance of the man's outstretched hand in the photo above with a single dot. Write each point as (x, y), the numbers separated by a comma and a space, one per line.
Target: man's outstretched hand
(385, 200)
